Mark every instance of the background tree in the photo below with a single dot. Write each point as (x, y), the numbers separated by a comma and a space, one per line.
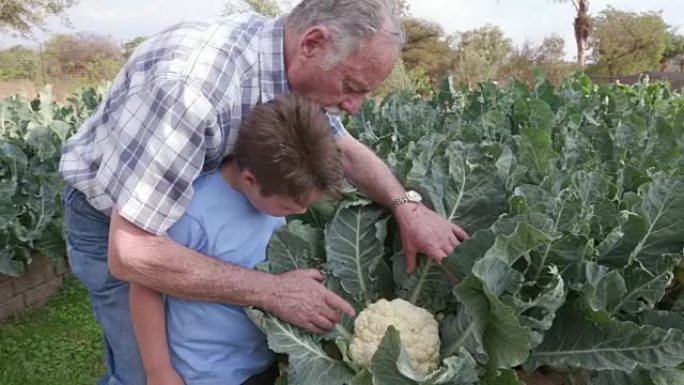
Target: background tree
(87, 56)
(22, 16)
(626, 43)
(480, 53)
(546, 57)
(396, 81)
(674, 46)
(264, 7)
(131, 45)
(582, 27)
(19, 62)
(427, 49)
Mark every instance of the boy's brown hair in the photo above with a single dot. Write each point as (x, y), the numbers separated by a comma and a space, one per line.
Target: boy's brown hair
(288, 145)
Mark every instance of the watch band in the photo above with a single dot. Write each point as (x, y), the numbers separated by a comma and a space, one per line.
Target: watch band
(400, 200)
(408, 196)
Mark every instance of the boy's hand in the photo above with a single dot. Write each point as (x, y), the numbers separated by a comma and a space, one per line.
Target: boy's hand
(300, 298)
(164, 377)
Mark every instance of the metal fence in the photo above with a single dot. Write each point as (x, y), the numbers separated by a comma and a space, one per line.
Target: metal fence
(676, 79)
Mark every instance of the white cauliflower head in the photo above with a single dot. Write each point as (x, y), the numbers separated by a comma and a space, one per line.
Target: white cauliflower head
(417, 328)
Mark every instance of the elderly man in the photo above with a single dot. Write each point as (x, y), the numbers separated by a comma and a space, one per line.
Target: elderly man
(173, 113)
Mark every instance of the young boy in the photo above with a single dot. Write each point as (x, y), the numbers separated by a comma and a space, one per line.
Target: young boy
(285, 159)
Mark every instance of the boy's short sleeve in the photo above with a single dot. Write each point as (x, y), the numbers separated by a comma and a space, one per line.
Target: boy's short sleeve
(190, 233)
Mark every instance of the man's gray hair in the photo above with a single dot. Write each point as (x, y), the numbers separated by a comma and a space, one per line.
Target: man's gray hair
(349, 21)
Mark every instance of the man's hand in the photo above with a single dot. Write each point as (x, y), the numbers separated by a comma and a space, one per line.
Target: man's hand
(424, 231)
(302, 300)
(166, 376)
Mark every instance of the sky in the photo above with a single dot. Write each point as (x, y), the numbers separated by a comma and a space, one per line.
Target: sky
(521, 20)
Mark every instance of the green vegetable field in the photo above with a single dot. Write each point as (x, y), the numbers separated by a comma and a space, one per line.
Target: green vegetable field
(31, 137)
(573, 197)
(574, 200)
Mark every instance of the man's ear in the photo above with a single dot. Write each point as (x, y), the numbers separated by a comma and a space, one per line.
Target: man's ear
(314, 41)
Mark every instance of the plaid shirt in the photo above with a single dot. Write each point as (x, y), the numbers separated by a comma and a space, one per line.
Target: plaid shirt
(173, 113)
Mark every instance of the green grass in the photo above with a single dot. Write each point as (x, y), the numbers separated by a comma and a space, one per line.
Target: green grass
(58, 344)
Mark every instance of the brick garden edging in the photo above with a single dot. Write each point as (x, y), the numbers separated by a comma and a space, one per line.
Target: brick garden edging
(42, 280)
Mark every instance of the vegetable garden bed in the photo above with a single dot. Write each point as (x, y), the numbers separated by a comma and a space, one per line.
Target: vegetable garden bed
(573, 199)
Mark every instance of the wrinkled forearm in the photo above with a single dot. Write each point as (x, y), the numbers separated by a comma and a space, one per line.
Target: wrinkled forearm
(167, 267)
(368, 172)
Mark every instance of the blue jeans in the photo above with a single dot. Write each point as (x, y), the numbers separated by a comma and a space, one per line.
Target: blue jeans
(87, 236)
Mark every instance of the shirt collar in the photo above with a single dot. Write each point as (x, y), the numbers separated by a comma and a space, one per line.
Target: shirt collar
(272, 74)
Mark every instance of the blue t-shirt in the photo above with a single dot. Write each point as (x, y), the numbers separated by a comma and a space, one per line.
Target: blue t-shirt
(214, 343)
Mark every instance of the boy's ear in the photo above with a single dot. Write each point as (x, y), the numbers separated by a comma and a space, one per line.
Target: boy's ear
(248, 179)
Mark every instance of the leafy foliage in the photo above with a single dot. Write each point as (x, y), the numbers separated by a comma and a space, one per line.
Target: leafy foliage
(83, 55)
(570, 195)
(22, 16)
(18, 63)
(427, 48)
(31, 137)
(479, 54)
(628, 42)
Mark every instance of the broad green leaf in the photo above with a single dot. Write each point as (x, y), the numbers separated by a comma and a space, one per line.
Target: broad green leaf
(427, 287)
(630, 290)
(363, 378)
(497, 275)
(607, 293)
(307, 362)
(668, 376)
(294, 246)
(638, 377)
(536, 153)
(541, 115)
(574, 342)
(524, 239)
(8, 265)
(616, 248)
(384, 362)
(8, 208)
(630, 177)
(535, 199)
(310, 234)
(354, 245)
(537, 311)
(390, 365)
(663, 212)
(614, 377)
(661, 150)
(496, 328)
(578, 151)
(501, 377)
(568, 254)
(459, 369)
(460, 263)
(462, 186)
(15, 160)
(664, 319)
(592, 186)
(644, 288)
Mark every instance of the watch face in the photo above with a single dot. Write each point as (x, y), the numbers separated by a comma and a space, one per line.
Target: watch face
(413, 196)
